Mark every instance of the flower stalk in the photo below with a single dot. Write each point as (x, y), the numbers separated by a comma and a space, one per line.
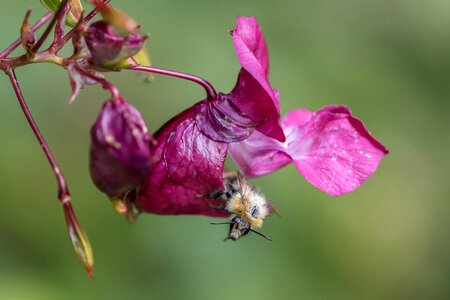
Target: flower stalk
(78, 238)
(209, 89)
(105, 83)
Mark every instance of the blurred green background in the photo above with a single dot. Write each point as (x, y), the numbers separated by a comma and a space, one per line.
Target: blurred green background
(388, 60)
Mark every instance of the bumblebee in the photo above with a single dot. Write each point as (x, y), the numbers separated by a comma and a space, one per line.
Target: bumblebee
(246, 204)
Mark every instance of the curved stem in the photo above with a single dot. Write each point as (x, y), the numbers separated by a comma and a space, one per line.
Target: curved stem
(16, 43)
(78, 237)
(63, 191)
(210, 91)
(105, 83)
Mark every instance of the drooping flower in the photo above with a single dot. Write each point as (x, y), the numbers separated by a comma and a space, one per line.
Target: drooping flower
(331, 148)
(188, 160)
(120, 149)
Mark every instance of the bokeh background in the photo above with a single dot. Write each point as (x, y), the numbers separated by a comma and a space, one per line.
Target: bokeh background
(388, 60)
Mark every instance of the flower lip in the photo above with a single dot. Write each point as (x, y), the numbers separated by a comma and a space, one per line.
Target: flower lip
(331, 148)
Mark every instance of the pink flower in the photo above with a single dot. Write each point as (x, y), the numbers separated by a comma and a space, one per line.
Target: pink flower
(330, 148)
(188, 161)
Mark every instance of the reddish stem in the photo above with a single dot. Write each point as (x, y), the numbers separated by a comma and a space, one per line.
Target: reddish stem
(16, 43)
(63, 191)
(59, 14)
(105, 83)
(89, 17)
(78, 237)
(210, 91)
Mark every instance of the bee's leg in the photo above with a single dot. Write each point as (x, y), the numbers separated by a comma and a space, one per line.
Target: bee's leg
(216, 194)
(220, 207)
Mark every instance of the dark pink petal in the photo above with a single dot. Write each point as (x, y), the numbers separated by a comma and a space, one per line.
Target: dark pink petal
(186, 166)
(253, 93)
(330, 148)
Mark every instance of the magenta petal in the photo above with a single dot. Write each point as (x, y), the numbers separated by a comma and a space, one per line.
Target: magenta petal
(330, 148)
(250, 46)
(253, 93)
(334, 151)
(186, 167)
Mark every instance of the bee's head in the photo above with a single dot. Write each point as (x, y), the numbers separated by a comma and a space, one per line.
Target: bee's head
(238, 228)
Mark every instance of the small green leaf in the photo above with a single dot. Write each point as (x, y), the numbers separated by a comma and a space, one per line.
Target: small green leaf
(142, 58)
(74, 13)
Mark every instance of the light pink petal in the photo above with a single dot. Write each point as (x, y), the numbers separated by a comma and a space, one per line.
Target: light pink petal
(330, 148)
(259, 155)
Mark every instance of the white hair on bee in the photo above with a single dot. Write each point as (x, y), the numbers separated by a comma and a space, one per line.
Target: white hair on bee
(246, 204)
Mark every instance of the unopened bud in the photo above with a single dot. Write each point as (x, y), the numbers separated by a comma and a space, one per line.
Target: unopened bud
(79, 239)
(120, 149)
(27, 38)
(108, 47)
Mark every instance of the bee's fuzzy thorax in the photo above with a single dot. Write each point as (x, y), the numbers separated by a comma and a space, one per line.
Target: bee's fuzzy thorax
(248, 203)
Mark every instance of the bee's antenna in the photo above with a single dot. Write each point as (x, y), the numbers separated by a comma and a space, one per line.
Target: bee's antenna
(222, 223)
(260, 234)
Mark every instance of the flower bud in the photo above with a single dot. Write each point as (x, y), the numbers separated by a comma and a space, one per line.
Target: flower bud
(79, 239)
(27, 38)
(120, 149)
(108, 47)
